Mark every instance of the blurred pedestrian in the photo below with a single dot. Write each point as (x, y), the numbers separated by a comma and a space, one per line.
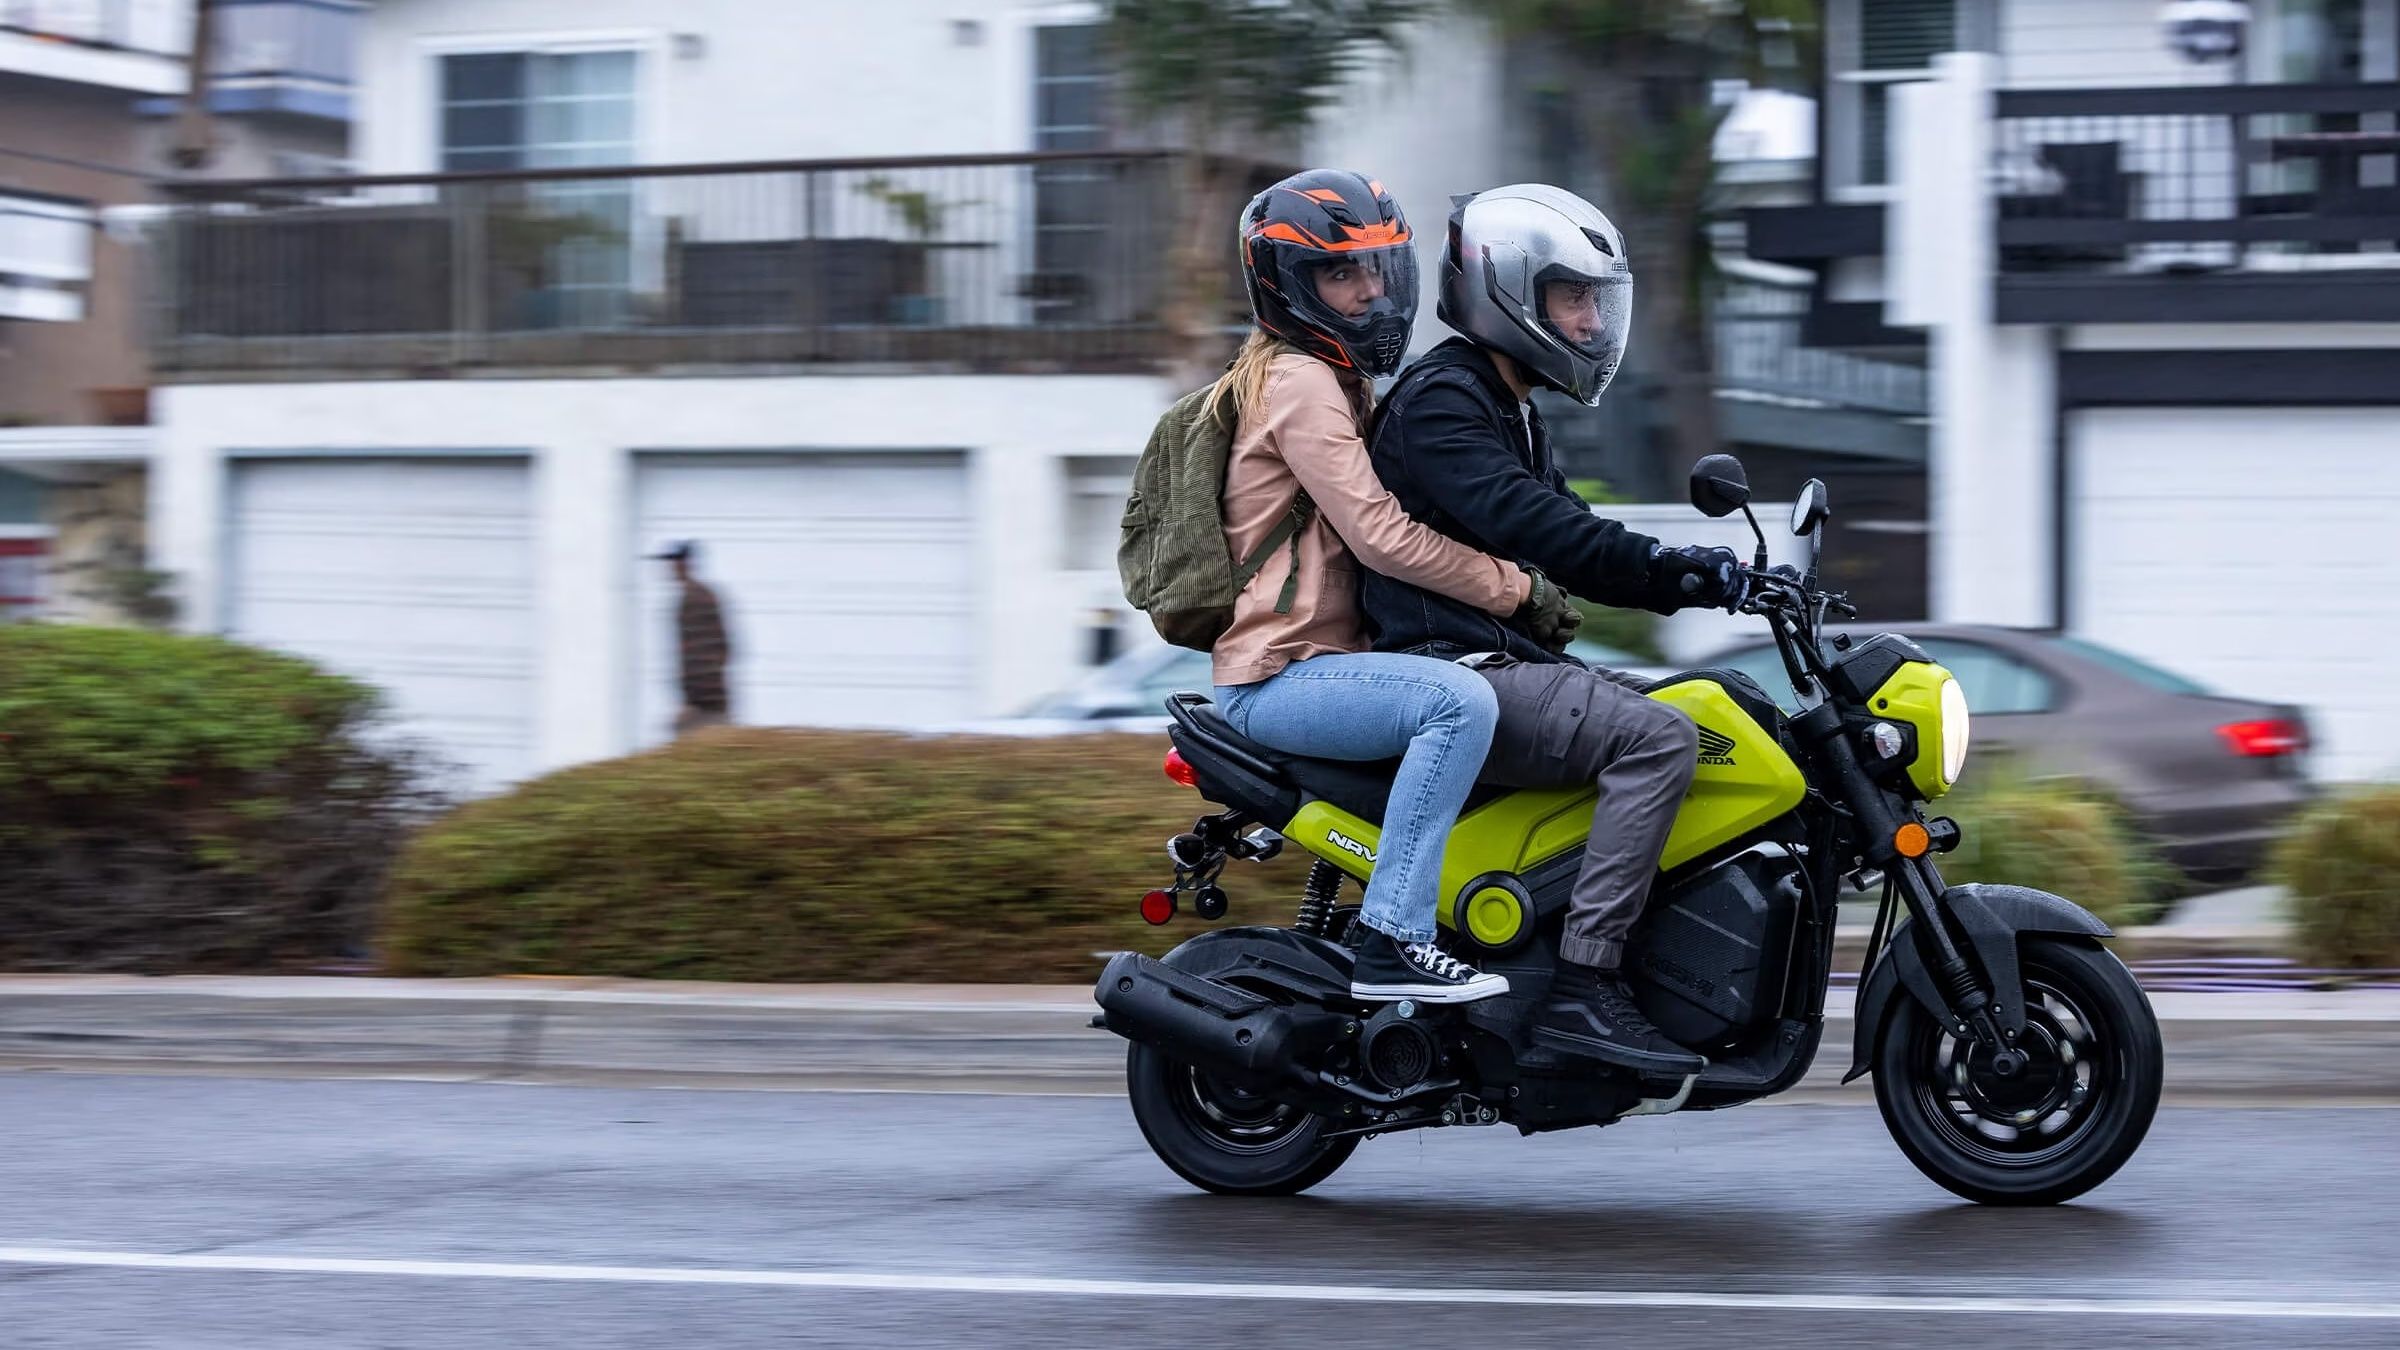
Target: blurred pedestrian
(701, 647)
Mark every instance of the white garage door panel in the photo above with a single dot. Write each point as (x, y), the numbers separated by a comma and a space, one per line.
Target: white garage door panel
(2249, 549)
(416, 576)
(847, 581)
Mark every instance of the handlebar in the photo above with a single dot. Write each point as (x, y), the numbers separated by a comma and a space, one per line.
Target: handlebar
(1781, 589)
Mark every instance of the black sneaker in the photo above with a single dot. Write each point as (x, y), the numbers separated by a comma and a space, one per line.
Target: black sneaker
(1388, 969)
(1591, 1013)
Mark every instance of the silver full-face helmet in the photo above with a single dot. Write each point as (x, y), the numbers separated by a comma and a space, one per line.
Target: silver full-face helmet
(1539, 273)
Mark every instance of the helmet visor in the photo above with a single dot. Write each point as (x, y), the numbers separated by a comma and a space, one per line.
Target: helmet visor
(1352, 287)
(1591, 315)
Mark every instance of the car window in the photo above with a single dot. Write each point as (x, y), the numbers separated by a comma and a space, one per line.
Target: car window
(1765, 665)
(2131, 668)
(1993, 681)
(1188, 670)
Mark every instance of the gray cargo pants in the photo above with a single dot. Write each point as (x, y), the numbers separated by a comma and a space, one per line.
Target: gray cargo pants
(1565, 726)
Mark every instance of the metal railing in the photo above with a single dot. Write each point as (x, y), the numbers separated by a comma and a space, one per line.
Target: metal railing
(1756, 329)
(2260, 175)
(1001, 261)
(99, 23)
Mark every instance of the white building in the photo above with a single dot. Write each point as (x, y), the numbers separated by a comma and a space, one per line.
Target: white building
(2161, 306)
(873, 318)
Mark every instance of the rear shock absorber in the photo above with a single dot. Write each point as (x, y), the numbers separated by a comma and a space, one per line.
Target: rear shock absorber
(1317, 898)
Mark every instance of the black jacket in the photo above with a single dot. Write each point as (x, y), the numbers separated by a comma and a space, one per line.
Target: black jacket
(1450, 442)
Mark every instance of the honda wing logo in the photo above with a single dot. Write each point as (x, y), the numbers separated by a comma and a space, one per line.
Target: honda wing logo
(1716, 749)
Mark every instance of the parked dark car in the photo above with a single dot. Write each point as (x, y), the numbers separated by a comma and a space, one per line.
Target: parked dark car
(2209, 778)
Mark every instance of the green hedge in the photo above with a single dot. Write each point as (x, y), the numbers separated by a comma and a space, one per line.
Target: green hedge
(2341, 863)
(810, 855)
(2056, 836)
(185, 803)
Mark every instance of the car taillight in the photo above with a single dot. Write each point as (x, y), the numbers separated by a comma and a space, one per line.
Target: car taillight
(1180, 771)
(2265, 738)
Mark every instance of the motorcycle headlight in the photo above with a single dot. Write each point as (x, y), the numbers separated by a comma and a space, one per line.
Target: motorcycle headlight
(1954, 731)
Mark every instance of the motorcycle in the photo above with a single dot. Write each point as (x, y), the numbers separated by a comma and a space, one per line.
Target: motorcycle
(2015, 1059)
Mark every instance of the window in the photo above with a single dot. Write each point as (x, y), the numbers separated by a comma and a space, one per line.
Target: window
(1072, 202)
(21, 576)
(45, 257)
(1883, 43)
(537, 110)
(549, 110)
(2165, 681)
(1993, 682)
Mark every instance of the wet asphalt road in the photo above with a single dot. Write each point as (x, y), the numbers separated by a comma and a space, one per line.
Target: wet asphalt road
(951, 1220)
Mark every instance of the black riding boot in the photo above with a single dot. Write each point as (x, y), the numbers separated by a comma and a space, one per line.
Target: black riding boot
(1591, 1013)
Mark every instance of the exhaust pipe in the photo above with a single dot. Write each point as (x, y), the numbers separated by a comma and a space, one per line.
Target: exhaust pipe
(1222, 1031)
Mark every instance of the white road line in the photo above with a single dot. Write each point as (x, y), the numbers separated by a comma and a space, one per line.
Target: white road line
(1041, 1287)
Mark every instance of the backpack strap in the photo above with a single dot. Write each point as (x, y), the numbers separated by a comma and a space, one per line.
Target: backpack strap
(1287, 530)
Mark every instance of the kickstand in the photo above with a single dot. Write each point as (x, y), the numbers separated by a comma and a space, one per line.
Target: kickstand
(1659, 1106)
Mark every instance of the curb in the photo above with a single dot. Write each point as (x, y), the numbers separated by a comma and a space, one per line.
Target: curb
(2274, 1048)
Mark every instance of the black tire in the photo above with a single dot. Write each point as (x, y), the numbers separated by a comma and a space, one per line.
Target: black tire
(2090, 1090)
(1223, 1140)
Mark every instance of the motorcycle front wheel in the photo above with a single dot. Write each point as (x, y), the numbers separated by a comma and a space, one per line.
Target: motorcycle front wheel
(1221, 1138)
(2062, 1124)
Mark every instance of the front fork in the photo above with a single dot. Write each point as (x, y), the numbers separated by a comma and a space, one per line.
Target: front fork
(1946, 978)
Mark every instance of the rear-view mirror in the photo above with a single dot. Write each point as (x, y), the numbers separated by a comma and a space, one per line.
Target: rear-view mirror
(1812, 508)
(1720, 487)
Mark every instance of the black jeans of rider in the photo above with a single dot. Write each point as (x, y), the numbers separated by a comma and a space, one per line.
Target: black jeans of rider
(1567, 725)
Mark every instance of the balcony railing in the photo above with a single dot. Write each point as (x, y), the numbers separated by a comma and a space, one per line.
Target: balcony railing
(163, 29)
(2261, 176)
(1053, 260)
(1759, 354)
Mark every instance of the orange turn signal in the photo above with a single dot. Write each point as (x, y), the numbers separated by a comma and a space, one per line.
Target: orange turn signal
(1912, 840)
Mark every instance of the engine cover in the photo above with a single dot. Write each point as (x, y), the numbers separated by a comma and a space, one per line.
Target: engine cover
(1709, 958)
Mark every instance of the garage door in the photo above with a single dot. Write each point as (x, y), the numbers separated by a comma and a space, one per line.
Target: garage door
(414, 575)
(2251, 550)
(846, 581)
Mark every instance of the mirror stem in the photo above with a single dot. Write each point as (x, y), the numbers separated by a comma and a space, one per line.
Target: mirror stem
(1759, 563)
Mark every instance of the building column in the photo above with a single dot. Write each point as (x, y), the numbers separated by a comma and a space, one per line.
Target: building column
(583, 584)
(189, 508)
(1019, 496)
(1989, 465)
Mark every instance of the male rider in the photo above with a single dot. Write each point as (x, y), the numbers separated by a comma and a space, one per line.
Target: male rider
(1536, 281)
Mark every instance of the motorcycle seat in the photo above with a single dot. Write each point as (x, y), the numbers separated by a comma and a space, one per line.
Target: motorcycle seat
(1361, 787)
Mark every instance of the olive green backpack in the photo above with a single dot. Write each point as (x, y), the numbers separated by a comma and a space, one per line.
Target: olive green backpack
(1171, 549)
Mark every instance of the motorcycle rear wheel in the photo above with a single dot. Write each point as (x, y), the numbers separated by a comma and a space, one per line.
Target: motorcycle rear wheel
(2057, 1129)
(1222, 1139)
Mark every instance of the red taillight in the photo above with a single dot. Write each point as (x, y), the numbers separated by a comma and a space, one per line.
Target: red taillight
(2266, 738)
(1158, 907)
(1183, 773)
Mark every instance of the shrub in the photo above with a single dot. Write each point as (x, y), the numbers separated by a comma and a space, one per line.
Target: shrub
(2057, 836)
(812, 855)
(2341, 863)
(186, 803)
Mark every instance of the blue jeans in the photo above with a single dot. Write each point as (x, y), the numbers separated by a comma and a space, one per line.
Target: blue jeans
(1438, 717)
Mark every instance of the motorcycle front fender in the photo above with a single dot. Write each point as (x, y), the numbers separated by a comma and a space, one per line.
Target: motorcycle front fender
(1993, 918)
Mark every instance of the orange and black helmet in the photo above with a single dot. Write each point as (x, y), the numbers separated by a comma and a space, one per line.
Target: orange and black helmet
(1332, 269)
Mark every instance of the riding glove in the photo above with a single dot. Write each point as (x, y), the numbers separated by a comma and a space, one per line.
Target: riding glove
(1547, 615)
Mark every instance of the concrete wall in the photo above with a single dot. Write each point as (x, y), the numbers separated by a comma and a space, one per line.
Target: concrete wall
(1018, 433)
(735, 79)
(2052, 44)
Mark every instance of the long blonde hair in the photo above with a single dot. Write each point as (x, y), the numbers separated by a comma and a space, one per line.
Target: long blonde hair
(1240, 392)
